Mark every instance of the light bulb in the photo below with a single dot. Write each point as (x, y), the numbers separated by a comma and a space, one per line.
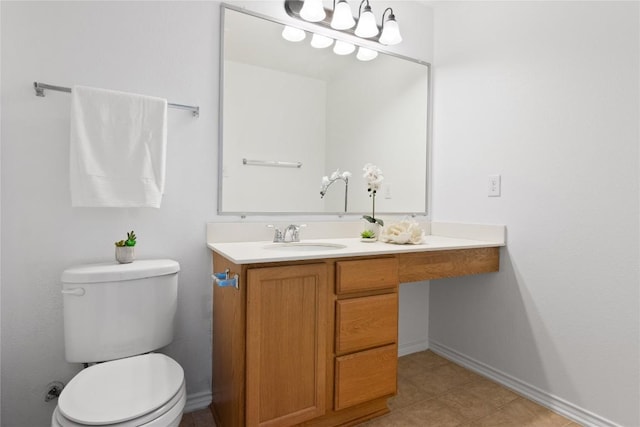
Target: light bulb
(390, 32)
(342, 18)
(343, 48)
(293, 34)
(367, 26)
(320, 42)
(365, 54)
(312, 11)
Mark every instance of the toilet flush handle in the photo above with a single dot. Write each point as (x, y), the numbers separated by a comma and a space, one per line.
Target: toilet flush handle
(75, 291)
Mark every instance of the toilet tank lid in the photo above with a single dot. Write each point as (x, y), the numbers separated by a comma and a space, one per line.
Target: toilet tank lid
(114, 272)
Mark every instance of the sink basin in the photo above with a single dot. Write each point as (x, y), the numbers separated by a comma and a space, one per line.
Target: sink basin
(304, 246)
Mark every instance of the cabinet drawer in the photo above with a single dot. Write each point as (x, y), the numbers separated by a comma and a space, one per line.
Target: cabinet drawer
(365, 376)
(366, 275)
(366, 322)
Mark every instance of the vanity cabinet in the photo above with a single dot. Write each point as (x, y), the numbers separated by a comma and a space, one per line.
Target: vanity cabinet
(315, 342)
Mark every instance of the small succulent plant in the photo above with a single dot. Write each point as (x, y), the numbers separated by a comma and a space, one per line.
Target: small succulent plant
(367, 234)
(131, 240)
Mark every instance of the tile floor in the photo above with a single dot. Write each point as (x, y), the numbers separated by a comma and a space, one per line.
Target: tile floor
(433, 391)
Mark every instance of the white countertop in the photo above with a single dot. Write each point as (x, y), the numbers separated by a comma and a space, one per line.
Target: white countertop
(266, 251)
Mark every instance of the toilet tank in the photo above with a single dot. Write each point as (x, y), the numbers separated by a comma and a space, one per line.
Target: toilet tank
(115, 310)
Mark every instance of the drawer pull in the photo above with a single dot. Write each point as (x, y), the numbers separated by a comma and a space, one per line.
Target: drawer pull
(226, 279)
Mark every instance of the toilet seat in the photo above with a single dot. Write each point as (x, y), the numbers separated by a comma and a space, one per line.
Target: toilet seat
(127, 392)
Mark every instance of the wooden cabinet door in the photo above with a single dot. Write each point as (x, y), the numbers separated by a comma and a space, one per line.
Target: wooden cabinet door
(286, 344)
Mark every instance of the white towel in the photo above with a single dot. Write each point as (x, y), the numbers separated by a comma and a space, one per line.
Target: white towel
(118, 148)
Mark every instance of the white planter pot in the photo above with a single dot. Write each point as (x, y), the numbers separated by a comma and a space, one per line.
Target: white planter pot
(374, 227)
(125, 254)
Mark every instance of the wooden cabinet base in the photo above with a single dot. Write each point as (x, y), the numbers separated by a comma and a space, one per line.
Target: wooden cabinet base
(351, 416)
(345, 418)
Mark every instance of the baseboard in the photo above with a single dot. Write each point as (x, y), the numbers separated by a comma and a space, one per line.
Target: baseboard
(412, 347)
(555, 403)
(197, 401)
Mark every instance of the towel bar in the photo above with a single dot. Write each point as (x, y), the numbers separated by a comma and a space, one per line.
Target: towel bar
(40, 87)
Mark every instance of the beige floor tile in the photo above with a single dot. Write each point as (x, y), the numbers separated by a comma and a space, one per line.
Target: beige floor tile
(427, 359)
(434, 413)
(491, 392)
(525, 413)
(443, 378)
(495, 419)
(409, 368)
(399, 419)
(467, 403)
(408, 393)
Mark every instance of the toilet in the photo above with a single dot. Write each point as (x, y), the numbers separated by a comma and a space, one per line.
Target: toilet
(115, 316)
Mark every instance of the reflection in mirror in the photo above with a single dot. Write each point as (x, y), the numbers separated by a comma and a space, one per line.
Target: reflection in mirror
(292, 113)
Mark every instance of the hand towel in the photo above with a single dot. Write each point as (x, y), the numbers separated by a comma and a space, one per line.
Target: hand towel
(118, 148)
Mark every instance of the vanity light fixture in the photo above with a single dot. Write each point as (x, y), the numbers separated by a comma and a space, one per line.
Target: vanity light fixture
(343, 48)
(367, 26)
(365, 54)
(312, 11)
(390, 30)
(293, 34)
(342, 18)
(320, 42)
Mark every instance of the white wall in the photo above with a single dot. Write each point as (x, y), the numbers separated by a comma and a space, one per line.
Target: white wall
(547, 95)
(168, 49)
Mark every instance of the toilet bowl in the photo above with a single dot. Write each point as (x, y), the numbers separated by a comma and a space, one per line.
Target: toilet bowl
(146, 390)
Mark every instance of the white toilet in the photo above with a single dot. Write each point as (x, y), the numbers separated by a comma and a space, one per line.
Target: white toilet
(117, 314)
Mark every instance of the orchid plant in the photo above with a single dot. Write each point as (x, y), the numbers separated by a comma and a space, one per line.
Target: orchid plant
(335, 176)
(373, 177)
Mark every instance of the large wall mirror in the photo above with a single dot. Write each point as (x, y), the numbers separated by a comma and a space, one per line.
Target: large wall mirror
(291, 114)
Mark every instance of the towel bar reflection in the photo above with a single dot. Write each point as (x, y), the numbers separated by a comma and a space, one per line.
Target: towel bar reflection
(274, 163)
(40, 87)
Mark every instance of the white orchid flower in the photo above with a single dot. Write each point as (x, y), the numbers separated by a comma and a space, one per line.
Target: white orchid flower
(373, 176)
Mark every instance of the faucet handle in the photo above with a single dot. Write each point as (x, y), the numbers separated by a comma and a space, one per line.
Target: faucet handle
(295, 231)
(278, 236)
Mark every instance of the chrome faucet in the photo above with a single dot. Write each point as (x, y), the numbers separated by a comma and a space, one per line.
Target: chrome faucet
(290, 234)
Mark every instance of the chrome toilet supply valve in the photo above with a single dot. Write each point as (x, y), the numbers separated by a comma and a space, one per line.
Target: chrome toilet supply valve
(226, 279)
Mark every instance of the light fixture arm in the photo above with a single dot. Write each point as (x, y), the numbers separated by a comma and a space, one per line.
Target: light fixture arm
(368, 6)
(391, 15)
